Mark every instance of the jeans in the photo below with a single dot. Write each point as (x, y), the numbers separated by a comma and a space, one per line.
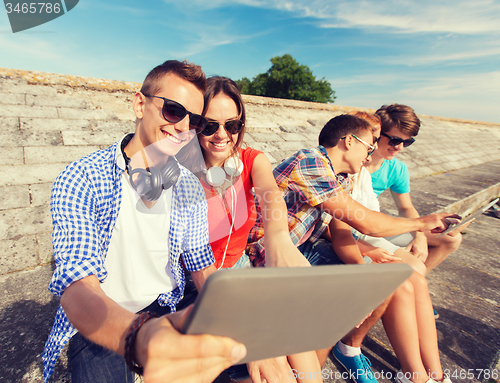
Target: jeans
(320, 252)
(91, 363)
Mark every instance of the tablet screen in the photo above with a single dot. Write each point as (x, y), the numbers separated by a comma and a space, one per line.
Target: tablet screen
(469, 218)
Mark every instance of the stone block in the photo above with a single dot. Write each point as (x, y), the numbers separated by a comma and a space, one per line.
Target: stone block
(294, 137)
(29, 138)
(13, 197)
(9, 124)
(18, 253)
(29, 111)
(125, 126)
(16, 223)
(58, 101)
(11, 156)
(12, 99)
(93, 138)
(266, 137)
(248, 139)
(288, 146)
(45, 251)
(86, 114)
(7, 87)
(40, 194)
(56, 154)
(53, 124)
(29, 174)
(263, 146)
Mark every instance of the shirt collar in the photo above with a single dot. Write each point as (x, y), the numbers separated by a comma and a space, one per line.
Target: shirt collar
(323, 151)
(119, 159)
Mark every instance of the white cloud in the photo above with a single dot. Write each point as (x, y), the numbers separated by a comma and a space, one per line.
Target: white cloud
(450, 58)
(463, 87)
(403, 16)
(205, 35)
(471, 96)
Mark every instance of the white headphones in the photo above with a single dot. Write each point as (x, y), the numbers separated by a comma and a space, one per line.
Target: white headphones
(215, 177)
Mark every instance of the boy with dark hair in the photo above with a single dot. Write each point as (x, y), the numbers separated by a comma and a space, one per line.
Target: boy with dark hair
(314, 192)
(125, 220)
(399, 126)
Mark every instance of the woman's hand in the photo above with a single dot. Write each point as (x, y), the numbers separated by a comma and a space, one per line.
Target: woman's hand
(379, 255)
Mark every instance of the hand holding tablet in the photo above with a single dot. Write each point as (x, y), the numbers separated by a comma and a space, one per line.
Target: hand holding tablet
(460, 225)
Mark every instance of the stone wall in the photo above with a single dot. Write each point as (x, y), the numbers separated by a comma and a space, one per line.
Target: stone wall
(49, 120)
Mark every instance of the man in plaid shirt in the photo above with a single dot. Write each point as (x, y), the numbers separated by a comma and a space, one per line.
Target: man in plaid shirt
(122, 233)
(314, 189)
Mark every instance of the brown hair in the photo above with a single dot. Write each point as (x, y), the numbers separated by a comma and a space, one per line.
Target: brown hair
(217, 85)
(372, 119)
(341, 126)
(399, 116)
(187, 71)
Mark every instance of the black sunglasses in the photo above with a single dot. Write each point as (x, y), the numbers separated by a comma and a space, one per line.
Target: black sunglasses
(231, 126)
(174, 112)
(395, 141)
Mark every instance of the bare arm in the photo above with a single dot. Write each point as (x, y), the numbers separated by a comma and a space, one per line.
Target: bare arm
(343, 242)
(95, 315)
(280, 250)
(165, 354)
(377, 224)
(199, 277)
(418, 247)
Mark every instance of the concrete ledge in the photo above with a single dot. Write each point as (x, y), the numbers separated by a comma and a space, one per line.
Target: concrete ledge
(469, 204)
(43, 78)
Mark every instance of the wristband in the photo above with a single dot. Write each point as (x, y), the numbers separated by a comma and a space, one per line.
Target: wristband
(131, 338)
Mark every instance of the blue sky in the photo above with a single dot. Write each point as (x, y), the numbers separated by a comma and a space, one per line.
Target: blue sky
(442, 57)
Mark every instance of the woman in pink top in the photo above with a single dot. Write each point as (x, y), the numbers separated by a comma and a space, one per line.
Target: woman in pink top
(228, 176)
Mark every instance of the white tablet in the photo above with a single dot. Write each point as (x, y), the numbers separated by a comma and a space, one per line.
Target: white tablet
(283, 311)
(469, 218)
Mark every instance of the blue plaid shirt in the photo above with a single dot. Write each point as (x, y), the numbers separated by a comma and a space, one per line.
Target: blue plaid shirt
(85, 203)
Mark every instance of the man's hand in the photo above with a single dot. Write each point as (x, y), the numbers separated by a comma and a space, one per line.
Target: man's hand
(169, 356)
(379, 255)
(458, 230)
(418, 247)
(436, 223)
(281, 252)
(274, 370)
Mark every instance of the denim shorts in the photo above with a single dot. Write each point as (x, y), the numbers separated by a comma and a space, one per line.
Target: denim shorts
(320, 252)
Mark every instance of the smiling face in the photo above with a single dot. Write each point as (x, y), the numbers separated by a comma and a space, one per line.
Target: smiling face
(219, 146)
(160, 137)
(386, 151)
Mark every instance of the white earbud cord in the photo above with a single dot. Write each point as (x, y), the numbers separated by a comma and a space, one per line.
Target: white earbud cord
(232, 217)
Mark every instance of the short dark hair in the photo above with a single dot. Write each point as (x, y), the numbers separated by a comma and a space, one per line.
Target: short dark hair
(187, 71)
(341, 126)
(217, 85)
(399, 116)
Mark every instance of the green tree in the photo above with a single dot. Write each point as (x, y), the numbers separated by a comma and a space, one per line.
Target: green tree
(288, 79)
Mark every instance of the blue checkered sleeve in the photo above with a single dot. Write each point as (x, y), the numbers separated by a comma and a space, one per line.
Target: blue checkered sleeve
(75, 235)
(196, 251)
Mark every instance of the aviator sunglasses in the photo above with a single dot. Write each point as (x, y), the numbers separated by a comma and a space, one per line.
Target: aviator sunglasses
(231, 126)
(174, 112)
(395, 141)
(370, 148)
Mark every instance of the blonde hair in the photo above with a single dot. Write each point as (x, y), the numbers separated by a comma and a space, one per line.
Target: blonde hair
(372, 119)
